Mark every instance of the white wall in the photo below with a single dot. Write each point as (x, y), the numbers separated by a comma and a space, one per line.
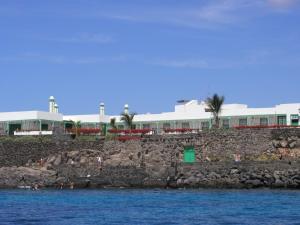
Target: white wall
(30, 115)
(195, 110)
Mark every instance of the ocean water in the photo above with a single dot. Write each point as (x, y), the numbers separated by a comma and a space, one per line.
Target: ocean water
(122, 206)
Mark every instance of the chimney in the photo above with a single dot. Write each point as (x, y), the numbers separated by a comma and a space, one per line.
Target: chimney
(126, 109)
(102, 109)
(51, 104)
(56, 108)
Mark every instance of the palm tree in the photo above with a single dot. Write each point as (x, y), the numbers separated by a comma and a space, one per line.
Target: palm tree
(78, 124)
(113, 123)
(77, 127)
(214, 104)
(128, 119)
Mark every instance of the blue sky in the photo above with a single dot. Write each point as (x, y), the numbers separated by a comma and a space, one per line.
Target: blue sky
(147, 53)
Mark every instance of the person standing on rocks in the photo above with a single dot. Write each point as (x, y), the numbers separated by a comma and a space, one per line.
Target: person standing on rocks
(99, 160)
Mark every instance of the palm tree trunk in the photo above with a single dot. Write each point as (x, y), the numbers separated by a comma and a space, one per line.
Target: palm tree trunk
(217, 122)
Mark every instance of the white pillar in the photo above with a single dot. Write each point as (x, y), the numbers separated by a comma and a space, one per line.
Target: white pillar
(51, 104)
(56, 108)
(102, 109)
(126, 109)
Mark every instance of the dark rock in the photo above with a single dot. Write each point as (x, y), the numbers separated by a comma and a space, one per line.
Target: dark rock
(284, 144)
(58, 160)
(254, 183)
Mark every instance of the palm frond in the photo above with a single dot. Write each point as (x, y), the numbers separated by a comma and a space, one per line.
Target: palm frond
(215, 104)
(128, 119)
(113, 123)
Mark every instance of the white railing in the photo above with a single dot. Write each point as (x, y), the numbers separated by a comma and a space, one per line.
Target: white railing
(32, 133)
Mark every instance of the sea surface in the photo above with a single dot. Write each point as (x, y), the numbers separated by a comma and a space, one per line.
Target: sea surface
(131, 206)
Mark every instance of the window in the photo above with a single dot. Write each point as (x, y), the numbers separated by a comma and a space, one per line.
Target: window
(166, 126)
(120, 127)
(146, 126)
(243, 122)
(264, 121)
(186, 125)
(294, 120)
(205, 125)
(69, 125)
(281, 120)
(14, 127)
(225, 123)
(45, 127)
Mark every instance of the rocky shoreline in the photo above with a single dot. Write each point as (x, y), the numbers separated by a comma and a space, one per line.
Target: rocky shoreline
(269, 158)
(81, 169)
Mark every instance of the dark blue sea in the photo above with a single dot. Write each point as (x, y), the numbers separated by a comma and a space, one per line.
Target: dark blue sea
(122, 206)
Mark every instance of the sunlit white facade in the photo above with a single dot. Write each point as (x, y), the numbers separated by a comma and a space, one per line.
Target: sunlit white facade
(187, 114)
(193, 114)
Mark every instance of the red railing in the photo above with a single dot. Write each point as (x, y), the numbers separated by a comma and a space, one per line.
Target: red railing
(180, 130)
(84, 130)
(134, 131)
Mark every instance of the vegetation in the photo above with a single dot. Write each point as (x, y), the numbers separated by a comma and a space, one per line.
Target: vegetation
(127, 118)
(214, 104)
(77, 125)
(113, 123)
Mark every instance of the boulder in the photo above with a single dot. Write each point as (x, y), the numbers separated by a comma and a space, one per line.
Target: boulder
(276, 143)
(83, 160)
(292, 144)
(213, 175)
(73, 154)
(279, 183)
(254, 183)
(57, 161)
(284, 143)
(234, 171)
(51, 159)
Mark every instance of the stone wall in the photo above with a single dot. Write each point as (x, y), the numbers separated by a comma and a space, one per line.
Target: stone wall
(213, 145)
(18, 153)
(157, 161)
(247, 174)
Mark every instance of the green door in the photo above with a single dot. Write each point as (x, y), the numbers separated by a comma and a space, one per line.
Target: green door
(189, 154)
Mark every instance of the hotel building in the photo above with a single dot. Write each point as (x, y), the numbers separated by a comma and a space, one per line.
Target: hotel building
(189, 114)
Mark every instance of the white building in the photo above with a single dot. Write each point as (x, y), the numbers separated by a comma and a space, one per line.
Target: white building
(187, 114)
(28, 122)
(193, 114)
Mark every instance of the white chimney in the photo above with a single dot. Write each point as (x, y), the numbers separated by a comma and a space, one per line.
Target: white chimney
(126, 109)
(56, 108)
(51, 104)
(102, 109)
